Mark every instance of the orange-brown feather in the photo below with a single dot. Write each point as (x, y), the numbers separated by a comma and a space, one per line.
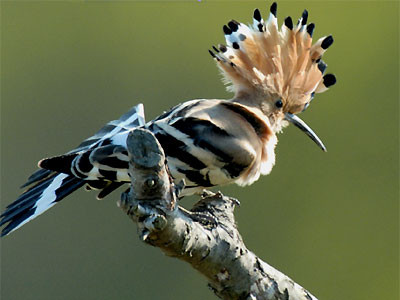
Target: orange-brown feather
(274, 61)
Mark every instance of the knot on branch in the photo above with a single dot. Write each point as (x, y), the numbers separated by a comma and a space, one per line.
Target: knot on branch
(147, 168)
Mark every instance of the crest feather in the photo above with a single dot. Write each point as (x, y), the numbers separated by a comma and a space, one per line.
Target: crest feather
(263, 59)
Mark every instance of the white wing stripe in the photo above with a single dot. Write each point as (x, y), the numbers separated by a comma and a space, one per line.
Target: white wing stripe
(46, 200)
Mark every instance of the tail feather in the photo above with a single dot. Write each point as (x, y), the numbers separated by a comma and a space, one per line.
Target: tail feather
(37, 176)
(50, 185)
(61, 164)
(109, 189)
(31, 192)
(37, 200)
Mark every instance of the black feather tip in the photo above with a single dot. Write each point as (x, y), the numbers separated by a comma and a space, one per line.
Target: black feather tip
(257, 15)
(215, 49)
(211, 53)
(327, 42)
(227, 30)
(329, 80)
(304, 17)
(289, 23)
(310, 29)
(273, 8)
(222, 48)
(233, 26)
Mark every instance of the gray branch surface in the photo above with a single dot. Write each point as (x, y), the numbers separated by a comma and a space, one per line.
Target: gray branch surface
(206, 236)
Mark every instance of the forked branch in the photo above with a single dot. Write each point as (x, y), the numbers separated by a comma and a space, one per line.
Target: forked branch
(206, 236)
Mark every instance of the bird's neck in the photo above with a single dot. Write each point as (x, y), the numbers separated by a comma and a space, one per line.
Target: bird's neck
(257, 104)
(247, 100)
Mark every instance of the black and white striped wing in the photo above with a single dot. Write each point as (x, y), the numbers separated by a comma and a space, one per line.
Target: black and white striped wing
(133, 118)
(49, 187)
(210, 143)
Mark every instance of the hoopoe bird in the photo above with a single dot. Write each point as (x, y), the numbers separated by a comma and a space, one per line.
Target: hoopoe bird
(274, 74)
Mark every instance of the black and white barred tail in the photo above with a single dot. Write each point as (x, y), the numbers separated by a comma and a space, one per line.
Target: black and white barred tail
(47, 187)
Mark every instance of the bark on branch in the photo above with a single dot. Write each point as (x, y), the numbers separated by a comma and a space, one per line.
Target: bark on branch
(206, 236)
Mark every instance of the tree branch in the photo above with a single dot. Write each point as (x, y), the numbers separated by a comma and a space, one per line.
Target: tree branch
(206, 236)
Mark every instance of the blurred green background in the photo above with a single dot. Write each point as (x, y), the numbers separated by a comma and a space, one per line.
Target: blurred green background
(328, 220)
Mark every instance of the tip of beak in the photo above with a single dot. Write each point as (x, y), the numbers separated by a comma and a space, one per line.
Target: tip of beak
(299, 123)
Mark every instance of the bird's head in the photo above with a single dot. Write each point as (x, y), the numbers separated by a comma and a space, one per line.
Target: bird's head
(277, 70)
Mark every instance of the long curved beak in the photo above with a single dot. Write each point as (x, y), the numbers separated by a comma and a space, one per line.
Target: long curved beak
(299, 123)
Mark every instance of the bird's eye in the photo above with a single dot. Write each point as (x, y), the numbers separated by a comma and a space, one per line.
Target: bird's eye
(279, 103)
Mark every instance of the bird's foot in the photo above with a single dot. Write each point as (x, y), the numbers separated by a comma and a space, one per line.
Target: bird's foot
(204, 218)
